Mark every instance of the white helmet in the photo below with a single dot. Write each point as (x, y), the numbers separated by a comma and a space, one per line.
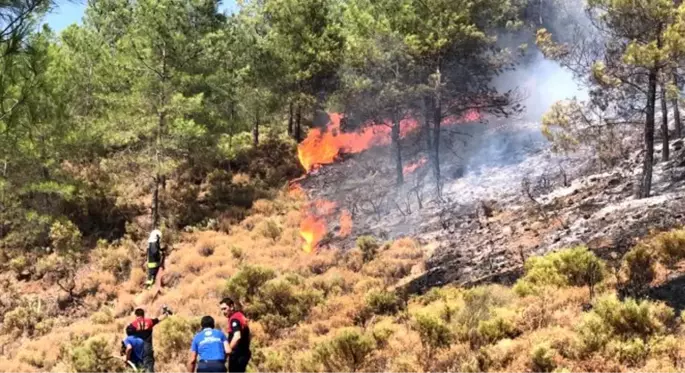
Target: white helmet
(155, 236)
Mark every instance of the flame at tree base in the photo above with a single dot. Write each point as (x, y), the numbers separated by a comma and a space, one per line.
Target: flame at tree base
(312, 229)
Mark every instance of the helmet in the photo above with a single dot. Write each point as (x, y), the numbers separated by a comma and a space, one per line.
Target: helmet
(155, 236)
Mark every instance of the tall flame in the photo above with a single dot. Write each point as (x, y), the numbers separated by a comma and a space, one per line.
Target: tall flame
(313, 226)
(323, 146)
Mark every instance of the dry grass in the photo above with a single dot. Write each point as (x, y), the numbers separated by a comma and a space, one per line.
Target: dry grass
(523, 333)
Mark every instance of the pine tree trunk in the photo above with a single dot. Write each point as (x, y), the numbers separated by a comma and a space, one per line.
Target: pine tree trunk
(255, 129)
(665, 153)
(290, 119)
(160, 181)
(646, 185)
(298, 123)
(676, 110)
(427, 114)
(437, 116)
(398, 151)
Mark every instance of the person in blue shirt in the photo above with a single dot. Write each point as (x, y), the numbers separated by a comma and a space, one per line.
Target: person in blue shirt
(134, 347)
(208, 350)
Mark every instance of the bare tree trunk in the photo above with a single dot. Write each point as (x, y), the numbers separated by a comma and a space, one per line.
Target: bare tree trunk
(398, 150)
(427, 114)
(676, 110)
(255, 128)
(160, 180)
(649, 137)
(437, 119)
(665, 153)
(290, 119)
(298, 123)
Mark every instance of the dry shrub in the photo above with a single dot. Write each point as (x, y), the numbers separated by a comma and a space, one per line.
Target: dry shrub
(136, 280)
(268, 228)
(125, 305)
(368, 246)
(115, 259)
(405, 248)
(319, 263)
(102, 317)
(353, 260)
(638, 269)
(241, 179)
(34, 358)
(193, 263)
(451, 359)
(390, 270)
(542, 358)
(263, 207)
(250, 222)
(29, 318)
(347, 351)
(334, 282)
(381, 302)
(7, 366)
(293, 219)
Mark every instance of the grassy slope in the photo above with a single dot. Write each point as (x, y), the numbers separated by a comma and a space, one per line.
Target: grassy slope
(329, 311)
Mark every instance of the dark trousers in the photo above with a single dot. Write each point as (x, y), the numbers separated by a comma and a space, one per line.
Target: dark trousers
(238, 363)
(213, 366)
(151, 276)
(148, 358)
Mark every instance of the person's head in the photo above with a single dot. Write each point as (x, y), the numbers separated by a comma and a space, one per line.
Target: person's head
(207, 322)
(227, 306)
(155, 236)
(139, 312)
(130, 330)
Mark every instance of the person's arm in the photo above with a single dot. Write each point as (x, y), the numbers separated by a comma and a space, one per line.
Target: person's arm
(129, 348)
(235, 328)
(227, 348)
(193, 356)
(192, 361)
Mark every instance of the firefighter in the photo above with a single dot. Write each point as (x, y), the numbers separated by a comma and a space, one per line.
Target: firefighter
(155, 257)
(239, 353)
(208, 350)
(143, 330)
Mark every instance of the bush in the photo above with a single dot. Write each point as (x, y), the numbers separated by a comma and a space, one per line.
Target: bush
(115, 260)
(174, 336)
(434, 333)
(283, 303)
(93, 355)
(102, 317)
(670, 246)
(638, 266)
(495, 329)
(479, 303)
(28, 318)
(542, 358)
(346, 352)
(382, 302)
(268, 228)
(570, 267)
(246, 283)
(632, 352)
(368, 246)
(630, 319)
(65, 237)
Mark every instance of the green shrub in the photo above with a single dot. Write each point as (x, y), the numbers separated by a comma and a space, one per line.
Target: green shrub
(382, 302)
(102, 317)
(434, 333)
(368, 246)
(542, 358)
(28, 318)
(237, 253)
(570, 267)
(65, 237)
(670, 246)
(245, 284)
(174, 336)
(116, 260)
(268, 228)
(346, 352)
(19, 264)
(593, 333)
(479, 303)
(638, 266)
(280, 303)
(93, 355)
(632, 352)
(630, 318)
(496, 328)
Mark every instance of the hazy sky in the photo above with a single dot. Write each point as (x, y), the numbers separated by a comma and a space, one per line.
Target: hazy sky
(70, 11)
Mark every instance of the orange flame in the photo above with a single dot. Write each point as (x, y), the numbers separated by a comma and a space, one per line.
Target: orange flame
(313, 226)
(345, 223)
(323, 146)
(414, 166)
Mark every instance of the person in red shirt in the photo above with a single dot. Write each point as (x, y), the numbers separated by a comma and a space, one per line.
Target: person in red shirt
(143, 330)
(239, 353)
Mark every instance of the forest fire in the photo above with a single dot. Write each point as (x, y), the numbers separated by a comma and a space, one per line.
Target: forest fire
(313, 226)
(408, 169)
(323, 146)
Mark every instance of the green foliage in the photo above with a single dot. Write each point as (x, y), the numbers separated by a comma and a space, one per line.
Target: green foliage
(29, 318)
(495, 329)
(368, 246)
(638, 266)
(434, 333)
(268, 228)
(570, 267)
(174, 336)
(347, 351)
(93, 355)
(382, 302)
(542, 358)
(245, 284)
(669, 246)
(632, 352)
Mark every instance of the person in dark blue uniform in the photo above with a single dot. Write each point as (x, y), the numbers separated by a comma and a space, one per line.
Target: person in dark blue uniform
(208, 350)
(133, 348)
